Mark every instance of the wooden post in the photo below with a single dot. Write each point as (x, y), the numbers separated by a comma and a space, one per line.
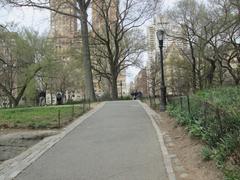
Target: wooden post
(72, 111)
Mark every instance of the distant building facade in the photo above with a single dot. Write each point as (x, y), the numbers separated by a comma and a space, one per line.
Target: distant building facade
(140, 82)
(65, 37)
(63, 29)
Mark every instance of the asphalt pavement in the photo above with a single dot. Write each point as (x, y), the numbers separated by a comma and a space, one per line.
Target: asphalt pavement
(118, 142)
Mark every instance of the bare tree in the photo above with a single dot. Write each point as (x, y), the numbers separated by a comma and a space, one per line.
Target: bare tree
(225, 48)
(203, 30)
(118, 43)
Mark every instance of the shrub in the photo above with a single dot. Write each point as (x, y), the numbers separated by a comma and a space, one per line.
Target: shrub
(206, 153)
(233, 174)
(213, 116)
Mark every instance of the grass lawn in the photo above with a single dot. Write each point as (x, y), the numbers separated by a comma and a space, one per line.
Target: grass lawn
(39, 117)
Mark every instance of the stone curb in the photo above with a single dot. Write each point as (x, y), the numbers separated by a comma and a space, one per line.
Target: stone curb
(166, 157)
(11, 168)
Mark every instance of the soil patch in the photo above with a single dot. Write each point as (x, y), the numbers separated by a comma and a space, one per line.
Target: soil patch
(187, 160)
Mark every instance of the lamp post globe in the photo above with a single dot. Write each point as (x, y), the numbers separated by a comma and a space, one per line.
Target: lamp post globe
(163, 101)
(237, 40)
(160, 34)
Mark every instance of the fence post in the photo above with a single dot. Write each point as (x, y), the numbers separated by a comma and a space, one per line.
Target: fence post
(84, 103)
(89, 104)
(188, 102)
(181, 105)
(59, 118)
(154, 101)
(150, 101)
(72, 111)
(205, 114)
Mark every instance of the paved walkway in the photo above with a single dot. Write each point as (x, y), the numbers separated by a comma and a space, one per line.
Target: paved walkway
(118, 142)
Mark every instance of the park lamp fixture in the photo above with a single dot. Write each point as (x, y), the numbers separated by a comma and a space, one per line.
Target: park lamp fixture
(237, 40)
(160, 36)
(163, 102)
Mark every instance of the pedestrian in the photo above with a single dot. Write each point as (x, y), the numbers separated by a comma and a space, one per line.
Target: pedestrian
(59, 98)
(42, 98)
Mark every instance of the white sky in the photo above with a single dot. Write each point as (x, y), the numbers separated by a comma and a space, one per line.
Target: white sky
(39, 21)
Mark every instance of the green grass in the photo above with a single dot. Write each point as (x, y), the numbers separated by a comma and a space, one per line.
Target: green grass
(38, 117)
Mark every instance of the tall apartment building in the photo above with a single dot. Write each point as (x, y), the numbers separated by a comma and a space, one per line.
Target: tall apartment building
(169, 46)
(64, 35)
(63, 29)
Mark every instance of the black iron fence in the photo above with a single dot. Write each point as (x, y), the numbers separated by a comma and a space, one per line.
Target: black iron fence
(213, 122)
(217, 126)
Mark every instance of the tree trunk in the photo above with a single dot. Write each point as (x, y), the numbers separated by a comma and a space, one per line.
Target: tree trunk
(210, 75)
(88, 77)
(114, 89)
(200, 81)
(154, 88)
(234, 76)
(237, 81)
(220, 74)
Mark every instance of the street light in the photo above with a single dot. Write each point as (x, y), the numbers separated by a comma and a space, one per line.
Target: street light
(163, 102)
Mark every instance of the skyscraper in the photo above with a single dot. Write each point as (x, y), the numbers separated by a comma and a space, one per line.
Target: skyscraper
(63, 30)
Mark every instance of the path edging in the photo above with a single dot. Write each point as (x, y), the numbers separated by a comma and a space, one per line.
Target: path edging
(166, 156)
(11, 168)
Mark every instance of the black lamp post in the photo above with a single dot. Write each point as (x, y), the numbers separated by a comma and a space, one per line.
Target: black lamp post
(163, 102)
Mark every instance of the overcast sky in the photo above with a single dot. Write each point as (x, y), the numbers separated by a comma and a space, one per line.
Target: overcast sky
(39, 21)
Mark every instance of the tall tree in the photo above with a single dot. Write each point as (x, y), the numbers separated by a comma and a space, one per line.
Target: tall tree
(81, 7)
(118, 42)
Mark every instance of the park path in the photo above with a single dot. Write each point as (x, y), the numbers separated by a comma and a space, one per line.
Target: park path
(118, 142)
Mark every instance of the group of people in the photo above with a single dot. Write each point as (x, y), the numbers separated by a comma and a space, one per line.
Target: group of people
(42, 98)
(136, 95)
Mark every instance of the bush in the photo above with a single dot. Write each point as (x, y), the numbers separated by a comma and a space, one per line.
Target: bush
(206, 153)
(213, 116)
(233, 174)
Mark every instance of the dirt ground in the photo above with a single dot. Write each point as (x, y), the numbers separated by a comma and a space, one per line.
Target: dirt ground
(186, 159)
